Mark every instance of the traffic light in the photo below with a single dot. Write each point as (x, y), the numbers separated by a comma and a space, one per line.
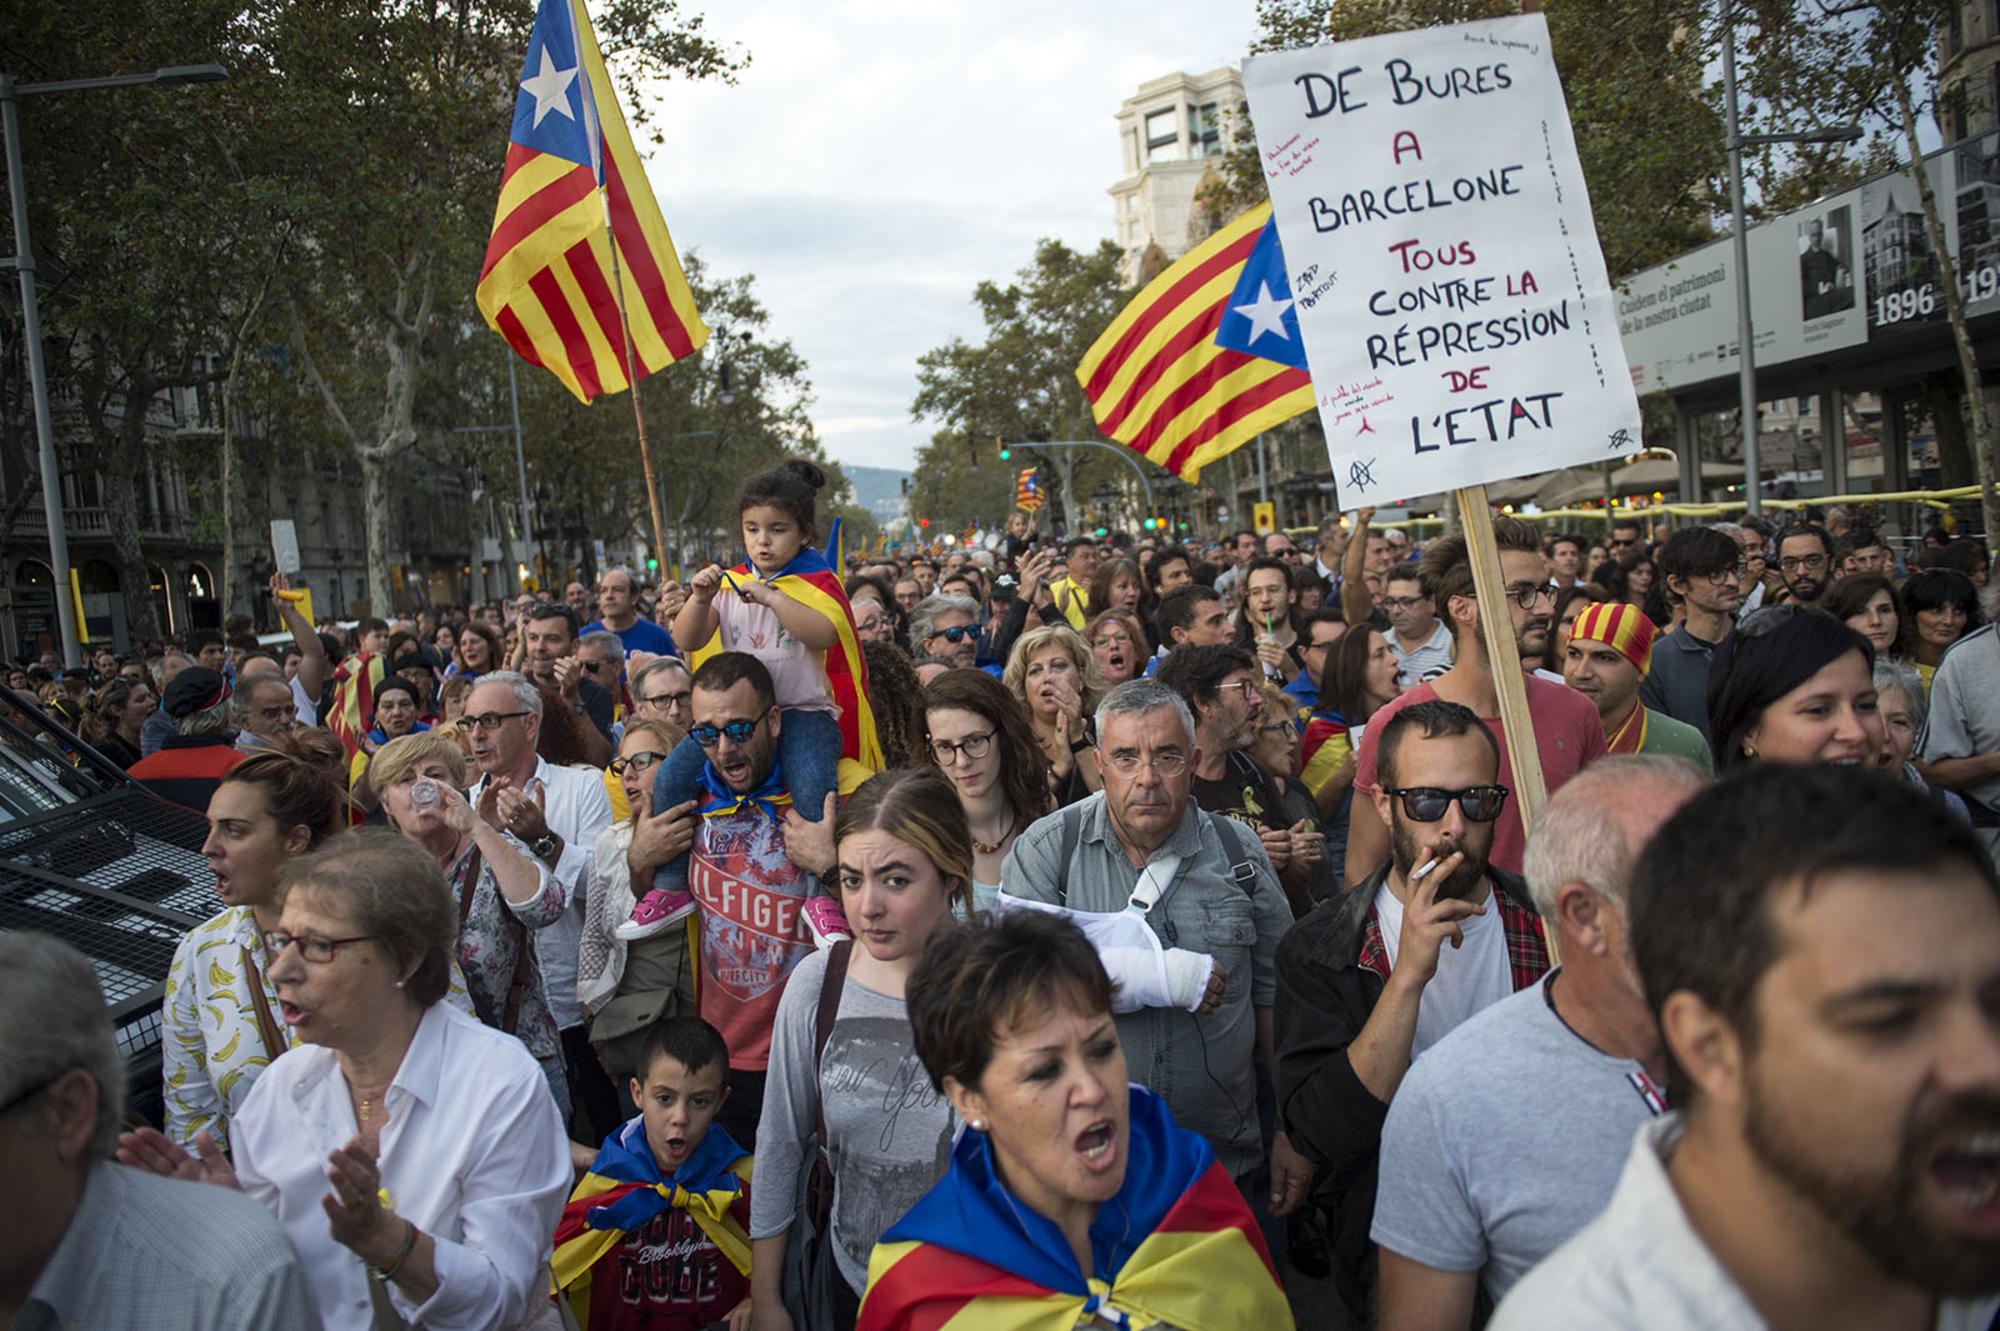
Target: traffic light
(1103, 532)
(1006, 453)
(923, 522)
(652, 564)
(1147, 524)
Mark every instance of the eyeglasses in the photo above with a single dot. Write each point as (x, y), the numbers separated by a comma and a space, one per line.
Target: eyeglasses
(635, 762)
(739, 732)
(593, 666)
(1525, 594)
(29, 1092)
(1127, 762)
(1427, 804)
(491, 721)
(956, 633)
(665, 700)
(316, 950)
(1802, 562)
(1285, 728)
(1247, 686)
(1400, 602)
(972, 746)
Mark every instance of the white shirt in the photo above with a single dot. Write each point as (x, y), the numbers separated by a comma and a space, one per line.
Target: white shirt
(473, 1154)
(1640, 1265)
(577, 810)
(307, 708)
(1469, 978)
(1425, 661)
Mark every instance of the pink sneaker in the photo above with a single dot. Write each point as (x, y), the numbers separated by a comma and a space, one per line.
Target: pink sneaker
(656, 910)
(827, 921)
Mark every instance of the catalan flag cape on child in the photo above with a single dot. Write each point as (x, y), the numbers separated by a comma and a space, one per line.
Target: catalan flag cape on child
(625, 1189)
(1175, 1245)
(811, 579)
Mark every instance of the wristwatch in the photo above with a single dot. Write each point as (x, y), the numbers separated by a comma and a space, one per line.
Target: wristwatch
(543, 846)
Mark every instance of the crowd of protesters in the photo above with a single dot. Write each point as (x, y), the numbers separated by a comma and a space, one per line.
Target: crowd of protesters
(1050, 932)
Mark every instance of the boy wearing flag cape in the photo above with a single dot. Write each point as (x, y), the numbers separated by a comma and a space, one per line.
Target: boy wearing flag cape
(655, 1236)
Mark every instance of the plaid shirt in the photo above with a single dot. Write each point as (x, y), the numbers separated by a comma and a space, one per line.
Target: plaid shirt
(1527, 951)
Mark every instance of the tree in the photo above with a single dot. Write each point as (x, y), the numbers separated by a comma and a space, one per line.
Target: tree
(1019, 383)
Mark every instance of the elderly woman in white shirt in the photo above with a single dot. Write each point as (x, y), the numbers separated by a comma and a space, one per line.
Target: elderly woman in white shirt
(412, 1154)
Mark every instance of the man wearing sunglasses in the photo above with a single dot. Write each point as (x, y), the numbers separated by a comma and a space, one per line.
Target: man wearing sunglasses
(601, 655)
(1567, 731)
(1455, 1214)
(752, 871)
(1366, 982)
(947, 628)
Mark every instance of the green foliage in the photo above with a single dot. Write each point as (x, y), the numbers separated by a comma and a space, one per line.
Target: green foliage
(1018, 384)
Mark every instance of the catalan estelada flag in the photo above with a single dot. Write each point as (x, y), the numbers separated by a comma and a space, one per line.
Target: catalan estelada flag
(1028, 491)
(1176, 1245)
(700, 1212)
(548, 282)
(1207, 357)
(810, 578)
(354, 683)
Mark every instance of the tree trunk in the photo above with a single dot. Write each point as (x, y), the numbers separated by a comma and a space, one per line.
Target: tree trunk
(375, 504)
(232, 552)
(1946, 405)
(125, 463)
(1980, 430)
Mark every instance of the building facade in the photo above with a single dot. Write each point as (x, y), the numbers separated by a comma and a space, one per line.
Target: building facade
(1171, 133)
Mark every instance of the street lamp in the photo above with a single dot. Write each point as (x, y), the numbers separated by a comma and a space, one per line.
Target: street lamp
(1747, 356)
(31, 314)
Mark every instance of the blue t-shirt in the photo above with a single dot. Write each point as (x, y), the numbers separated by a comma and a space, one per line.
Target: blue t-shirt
(643, 636)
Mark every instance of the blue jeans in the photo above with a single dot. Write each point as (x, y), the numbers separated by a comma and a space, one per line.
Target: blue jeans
(809, 745)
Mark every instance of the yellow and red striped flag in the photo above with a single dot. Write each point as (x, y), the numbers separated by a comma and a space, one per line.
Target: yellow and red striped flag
(574, 187)
(1205, 358)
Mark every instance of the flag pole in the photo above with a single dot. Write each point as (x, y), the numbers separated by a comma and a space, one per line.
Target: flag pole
(632, 387)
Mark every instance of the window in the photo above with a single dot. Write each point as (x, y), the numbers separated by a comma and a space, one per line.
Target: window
(1205, 130)
(1163, 138)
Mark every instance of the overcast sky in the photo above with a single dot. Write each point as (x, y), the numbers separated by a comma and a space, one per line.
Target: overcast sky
(880, 157)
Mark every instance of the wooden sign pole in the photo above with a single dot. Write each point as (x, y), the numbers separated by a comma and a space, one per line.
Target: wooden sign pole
(1503, 656)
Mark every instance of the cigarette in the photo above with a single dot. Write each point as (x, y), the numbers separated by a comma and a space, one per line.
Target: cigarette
(1428, 865)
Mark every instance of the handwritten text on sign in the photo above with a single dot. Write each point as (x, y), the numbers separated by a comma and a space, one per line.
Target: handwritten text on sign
(1451, 294)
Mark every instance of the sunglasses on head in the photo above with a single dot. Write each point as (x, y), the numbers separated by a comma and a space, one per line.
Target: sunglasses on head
(1427, 804)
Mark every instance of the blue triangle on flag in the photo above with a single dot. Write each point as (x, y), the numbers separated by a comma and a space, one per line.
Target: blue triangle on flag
(1261, 319)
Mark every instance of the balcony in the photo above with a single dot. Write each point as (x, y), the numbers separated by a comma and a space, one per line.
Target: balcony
(94, 524)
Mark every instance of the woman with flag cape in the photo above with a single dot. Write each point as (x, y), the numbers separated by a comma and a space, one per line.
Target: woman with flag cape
(1073, 1199)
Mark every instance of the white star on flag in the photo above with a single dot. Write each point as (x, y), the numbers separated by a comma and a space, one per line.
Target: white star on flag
(1266, 314)
(550, 89)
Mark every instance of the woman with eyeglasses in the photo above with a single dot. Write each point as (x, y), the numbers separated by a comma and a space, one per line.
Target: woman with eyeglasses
(1054, 675)
(1276, 749)
(411, 1153)
(499, 891)
(1793, 684)
(1941, 605)
(624, 985)
(1119, 645)
(982, 740)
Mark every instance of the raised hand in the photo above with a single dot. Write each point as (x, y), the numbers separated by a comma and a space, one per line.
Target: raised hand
(151, 1150)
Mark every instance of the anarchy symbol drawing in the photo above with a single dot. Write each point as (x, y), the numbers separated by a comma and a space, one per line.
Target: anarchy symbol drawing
(1361, 475)
(1621, 440)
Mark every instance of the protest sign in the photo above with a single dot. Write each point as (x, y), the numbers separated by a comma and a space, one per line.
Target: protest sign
(285, 545)
(1451, 295)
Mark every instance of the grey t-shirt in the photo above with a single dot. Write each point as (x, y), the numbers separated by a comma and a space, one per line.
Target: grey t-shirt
(1465, 1182)
(1965, 714)
(888, 1131)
